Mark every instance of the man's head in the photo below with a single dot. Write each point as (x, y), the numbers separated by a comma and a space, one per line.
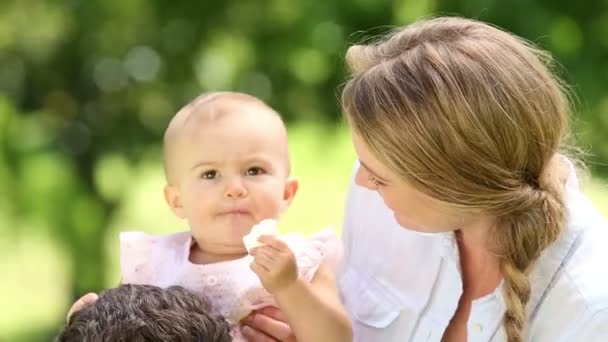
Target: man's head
(227, 166)
(144, 313)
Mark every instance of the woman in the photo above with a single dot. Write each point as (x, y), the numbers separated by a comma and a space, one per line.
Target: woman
(465, 221)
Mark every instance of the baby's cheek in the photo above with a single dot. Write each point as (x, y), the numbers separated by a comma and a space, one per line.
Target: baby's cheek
(272, 203)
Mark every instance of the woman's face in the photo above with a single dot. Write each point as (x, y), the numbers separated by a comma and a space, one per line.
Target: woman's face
(413, 209)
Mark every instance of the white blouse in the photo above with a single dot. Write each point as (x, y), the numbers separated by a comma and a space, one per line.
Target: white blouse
(401, 285)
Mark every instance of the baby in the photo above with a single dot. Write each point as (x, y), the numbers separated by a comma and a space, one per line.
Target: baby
(227, 168)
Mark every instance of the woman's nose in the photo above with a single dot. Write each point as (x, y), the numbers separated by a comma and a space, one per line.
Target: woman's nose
(362, 179)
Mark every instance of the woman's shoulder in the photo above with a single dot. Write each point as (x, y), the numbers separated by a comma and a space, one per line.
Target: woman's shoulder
(585, 269)
(570, 284)
(577, 302)
(579, 278)
(585, 263)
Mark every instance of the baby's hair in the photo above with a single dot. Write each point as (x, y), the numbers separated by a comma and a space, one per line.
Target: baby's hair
(144, 313)
(212, 103)
(472, 116)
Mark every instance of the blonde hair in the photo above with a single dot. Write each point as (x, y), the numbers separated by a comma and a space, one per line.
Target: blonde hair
(472, 116)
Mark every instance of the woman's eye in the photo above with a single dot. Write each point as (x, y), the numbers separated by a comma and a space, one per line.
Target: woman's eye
(254, 171)
(375, 181)
(211, 174)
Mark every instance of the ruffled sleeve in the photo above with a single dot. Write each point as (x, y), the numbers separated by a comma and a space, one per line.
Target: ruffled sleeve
(319, 248)
(135, 257)
(153, 259)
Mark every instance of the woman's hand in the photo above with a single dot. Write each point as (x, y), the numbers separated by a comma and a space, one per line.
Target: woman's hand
(267, 325)
(81, 303)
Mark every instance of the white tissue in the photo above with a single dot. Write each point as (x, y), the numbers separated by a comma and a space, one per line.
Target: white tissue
(265, 227)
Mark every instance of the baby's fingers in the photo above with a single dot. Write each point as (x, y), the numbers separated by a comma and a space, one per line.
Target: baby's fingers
(265, 261)
(274, 242)
(258, 269)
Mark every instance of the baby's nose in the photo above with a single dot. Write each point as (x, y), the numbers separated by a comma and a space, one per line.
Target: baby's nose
(235, 189)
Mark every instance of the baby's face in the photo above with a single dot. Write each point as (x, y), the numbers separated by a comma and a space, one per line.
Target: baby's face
(233, 173)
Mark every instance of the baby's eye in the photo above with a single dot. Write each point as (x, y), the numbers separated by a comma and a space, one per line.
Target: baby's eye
(211, 174)
(255, 171)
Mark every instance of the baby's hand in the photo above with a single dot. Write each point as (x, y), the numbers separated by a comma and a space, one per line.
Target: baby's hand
(274, 263)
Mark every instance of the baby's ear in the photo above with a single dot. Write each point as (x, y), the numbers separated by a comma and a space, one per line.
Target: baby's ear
(173, 198)
(291, 187)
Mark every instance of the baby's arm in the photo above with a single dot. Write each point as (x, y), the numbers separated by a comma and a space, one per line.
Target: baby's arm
(313, 310)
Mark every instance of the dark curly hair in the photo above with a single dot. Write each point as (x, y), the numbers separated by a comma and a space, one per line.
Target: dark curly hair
(138, 313)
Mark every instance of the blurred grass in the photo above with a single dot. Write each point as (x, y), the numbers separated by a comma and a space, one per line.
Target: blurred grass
(597, 190)
(35, 291)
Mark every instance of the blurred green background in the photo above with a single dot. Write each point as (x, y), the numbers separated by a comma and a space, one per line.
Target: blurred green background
(87, 87)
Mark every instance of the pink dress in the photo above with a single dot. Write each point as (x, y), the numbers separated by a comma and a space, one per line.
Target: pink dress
(231, 287)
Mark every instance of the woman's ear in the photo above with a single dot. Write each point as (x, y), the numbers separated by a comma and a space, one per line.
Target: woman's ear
(173, 198)
(291, 188)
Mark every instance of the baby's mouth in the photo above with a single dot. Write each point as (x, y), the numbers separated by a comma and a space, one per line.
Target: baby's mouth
(235, 212)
